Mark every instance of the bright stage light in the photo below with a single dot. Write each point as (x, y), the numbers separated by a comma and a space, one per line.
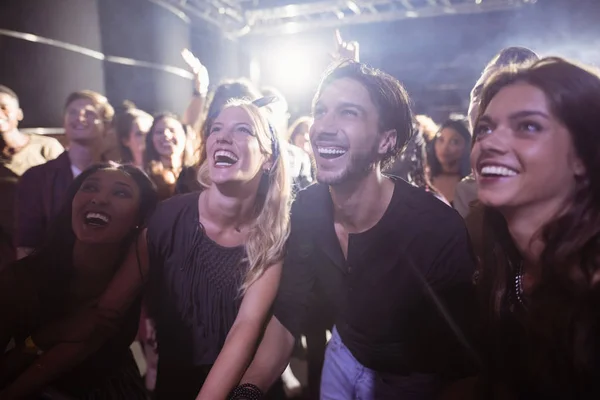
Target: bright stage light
(292, 67)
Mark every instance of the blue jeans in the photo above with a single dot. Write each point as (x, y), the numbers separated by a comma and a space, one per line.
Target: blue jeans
(344, 378)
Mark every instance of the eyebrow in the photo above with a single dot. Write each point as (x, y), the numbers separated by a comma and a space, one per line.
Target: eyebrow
(518, 115)
(349, 104)
(528, 113)
(123, 184)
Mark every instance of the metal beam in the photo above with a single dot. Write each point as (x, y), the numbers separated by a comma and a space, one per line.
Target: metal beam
(237, 17)
(279, 20)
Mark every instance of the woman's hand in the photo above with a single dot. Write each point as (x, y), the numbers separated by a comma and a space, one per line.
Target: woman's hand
(201, 79)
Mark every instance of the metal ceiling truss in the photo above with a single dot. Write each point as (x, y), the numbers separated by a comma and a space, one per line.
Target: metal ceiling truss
(238, 17)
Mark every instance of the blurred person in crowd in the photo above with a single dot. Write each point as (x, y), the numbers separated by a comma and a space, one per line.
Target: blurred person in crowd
(70, 343)
(42, 189)
(193, 114)
(536, 160)
(410, 165)
(448, 158)
(18, 152)
(169, 149)
(300, 165)
(299, 134)
(466, 190)
(131, 126)
(350, 238)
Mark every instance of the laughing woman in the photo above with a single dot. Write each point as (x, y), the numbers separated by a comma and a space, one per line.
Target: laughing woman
(215, 258)
(169, 149)
(51, 302)
(536, 158)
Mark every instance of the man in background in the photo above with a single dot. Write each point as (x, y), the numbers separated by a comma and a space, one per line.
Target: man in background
(18, 152)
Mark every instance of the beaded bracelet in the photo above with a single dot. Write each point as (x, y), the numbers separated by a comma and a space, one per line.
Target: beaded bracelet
(246, 391)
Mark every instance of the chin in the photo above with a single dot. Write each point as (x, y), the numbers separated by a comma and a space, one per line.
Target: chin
(494, 200)
(332, 178)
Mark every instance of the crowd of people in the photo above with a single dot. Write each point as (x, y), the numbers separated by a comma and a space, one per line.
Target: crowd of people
(458, 260)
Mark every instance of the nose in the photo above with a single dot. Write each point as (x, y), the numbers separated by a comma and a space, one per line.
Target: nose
(167, 134)
(100, 198)
(495, 141)
(224, 136)
(325, 125)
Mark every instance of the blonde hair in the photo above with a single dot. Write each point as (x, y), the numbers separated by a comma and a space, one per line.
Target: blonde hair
(270, 229)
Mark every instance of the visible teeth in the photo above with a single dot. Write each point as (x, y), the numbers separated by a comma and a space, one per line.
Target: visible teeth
(497, 170)
(331, 150)
(97, 216)
(225, 153)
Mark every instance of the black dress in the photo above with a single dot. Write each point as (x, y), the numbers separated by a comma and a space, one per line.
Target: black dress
(193, 295)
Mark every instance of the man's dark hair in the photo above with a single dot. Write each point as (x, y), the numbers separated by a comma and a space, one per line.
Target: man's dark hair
(9, 91)
(388, 95)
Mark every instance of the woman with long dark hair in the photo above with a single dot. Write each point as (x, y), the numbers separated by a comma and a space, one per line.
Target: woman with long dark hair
(448, 157)
(132, 126)
(536, 158)
(53, 303)
(169, 149)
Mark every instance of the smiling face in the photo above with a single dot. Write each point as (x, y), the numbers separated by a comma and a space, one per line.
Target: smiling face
(105, 208)
(345, 134)
(234, 153)
(82, 122)
(523, 155)
(302, 137)
(10, 113)
(449, 149)
(168, 137)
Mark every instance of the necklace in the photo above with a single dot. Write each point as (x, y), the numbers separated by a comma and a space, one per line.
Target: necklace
(519, 284)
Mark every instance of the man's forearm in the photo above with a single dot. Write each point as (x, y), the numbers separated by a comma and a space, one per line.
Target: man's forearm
(272, 356)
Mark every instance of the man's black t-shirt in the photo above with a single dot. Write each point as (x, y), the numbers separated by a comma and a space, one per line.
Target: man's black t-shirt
(403, 298)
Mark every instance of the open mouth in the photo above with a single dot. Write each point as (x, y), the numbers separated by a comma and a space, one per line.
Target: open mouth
(96, 219)
(79, 127)
(496, 171)
(224, 158)
(330, 153)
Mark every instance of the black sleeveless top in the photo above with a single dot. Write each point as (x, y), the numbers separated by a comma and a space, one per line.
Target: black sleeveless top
(193, 289)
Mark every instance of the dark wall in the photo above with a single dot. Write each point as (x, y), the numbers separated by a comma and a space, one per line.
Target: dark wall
(44, 75)
(144, 31)
(147, 35)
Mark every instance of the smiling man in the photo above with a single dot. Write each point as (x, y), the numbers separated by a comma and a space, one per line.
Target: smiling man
(392, 261)
(19, 151)
(42, 189)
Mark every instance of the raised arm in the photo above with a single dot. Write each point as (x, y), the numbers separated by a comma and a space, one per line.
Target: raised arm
(68, 342)
(193, 112)
(243, 337)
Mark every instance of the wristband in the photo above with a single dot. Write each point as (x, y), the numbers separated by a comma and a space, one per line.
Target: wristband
(246, 391)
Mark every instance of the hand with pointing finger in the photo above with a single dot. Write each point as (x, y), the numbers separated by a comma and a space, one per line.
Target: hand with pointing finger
(345, 50)
(201, 80)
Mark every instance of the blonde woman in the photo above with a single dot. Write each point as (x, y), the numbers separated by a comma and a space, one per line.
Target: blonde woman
(215, 258)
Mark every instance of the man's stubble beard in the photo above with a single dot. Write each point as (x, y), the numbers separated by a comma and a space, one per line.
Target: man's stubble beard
(359, 166)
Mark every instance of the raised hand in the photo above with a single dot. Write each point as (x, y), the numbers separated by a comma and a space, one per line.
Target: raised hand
(345, 50)
(201, 80)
